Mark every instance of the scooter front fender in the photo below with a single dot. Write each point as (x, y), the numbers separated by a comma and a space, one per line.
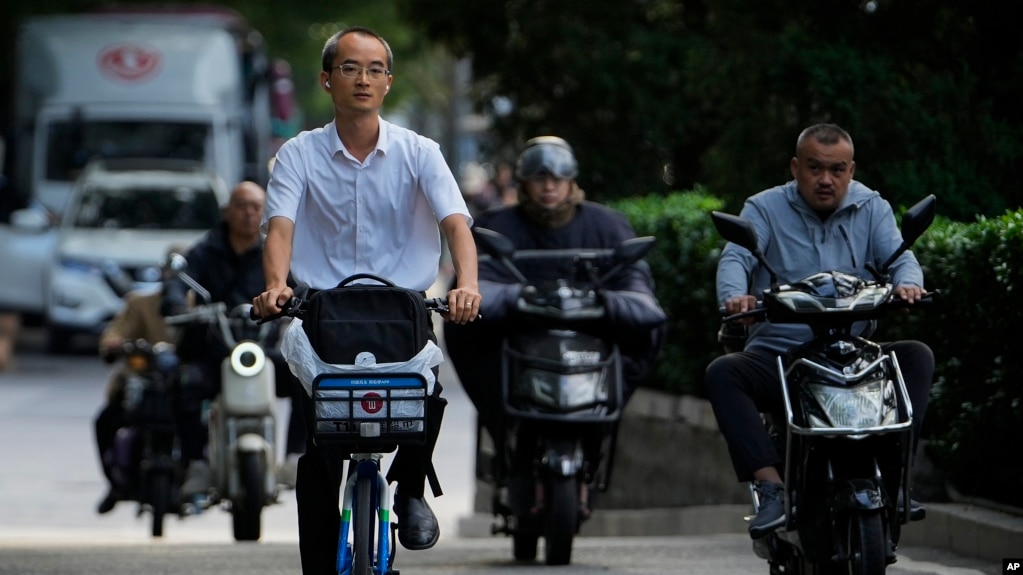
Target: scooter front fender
(563, 458)
(252, 442)
(856, 494)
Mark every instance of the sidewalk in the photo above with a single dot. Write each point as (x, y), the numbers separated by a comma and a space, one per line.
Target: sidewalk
(965, 529)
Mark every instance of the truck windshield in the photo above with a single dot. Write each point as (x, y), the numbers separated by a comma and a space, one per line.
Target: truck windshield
(70, 145)
(146, 208)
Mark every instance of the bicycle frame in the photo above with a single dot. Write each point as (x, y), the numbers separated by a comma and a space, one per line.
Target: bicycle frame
(367, 474)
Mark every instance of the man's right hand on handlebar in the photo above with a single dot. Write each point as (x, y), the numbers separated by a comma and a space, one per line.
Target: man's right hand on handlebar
(272, 300)
(741, 304)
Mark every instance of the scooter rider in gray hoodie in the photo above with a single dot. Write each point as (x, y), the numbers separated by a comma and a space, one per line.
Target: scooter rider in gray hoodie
(822, 220)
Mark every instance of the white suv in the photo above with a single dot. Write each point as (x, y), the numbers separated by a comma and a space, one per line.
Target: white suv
(122, 217)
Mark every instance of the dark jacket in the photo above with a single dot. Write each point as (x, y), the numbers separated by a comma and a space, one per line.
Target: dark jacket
(636, 319)
(229, 277)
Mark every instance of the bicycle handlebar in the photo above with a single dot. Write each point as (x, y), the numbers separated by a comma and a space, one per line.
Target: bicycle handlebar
(295, 307)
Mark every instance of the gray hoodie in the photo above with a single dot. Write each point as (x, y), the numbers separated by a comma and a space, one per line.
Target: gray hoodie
(797, 244)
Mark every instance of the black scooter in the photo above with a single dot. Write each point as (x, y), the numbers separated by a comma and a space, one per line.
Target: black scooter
(846, 432)
(145, 459)
(562, 395)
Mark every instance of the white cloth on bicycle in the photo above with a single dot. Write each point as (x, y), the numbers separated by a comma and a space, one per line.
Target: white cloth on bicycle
(306, 364)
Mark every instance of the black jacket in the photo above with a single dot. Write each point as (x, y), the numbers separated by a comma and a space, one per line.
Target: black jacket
(229, 277)
(637, 320)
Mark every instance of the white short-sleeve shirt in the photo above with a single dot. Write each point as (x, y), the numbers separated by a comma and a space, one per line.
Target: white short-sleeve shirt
(379, 216)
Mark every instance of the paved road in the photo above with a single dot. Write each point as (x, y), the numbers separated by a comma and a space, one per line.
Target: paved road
(50, 482)
(51, 479)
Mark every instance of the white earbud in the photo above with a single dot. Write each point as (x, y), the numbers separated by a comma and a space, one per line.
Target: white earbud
(327, 83)
(387, 89)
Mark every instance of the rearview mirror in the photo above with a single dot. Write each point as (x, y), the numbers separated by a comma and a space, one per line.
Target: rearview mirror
(740, 232)
(493, 243)
(917, 219)
(736, 230)
(633, 249)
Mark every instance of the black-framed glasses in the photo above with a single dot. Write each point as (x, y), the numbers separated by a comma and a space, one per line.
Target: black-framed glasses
(354, 71)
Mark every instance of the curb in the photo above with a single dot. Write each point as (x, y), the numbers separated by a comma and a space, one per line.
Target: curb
(964, 529)
(968, 530)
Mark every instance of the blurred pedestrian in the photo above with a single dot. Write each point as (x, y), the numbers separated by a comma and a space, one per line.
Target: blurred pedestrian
(10, 322)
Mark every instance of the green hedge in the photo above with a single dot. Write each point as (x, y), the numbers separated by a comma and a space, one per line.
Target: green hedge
(975, 421)
(684, 261)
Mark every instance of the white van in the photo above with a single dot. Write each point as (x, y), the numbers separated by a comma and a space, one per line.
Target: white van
(122, 218)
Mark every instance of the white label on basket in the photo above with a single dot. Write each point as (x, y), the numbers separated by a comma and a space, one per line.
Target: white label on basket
(372, 403)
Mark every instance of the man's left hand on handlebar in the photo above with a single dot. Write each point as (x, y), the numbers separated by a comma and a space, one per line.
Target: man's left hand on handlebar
(910, 294)
(463, 305)
(271, 301)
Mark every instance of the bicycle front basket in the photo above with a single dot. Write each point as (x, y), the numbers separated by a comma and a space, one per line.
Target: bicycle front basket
(370, 411)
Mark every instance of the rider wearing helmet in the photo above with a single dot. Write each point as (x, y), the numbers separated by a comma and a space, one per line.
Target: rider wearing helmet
(552, 214)
(548, 156)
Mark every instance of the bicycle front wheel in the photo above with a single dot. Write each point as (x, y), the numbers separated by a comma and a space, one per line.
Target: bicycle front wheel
(363, 522)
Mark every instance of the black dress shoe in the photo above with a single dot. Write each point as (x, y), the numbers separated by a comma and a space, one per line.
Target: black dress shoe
(417, 525)
(108, 502)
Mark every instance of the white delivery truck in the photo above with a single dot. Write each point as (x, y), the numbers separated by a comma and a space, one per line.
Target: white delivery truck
(184, 83)
(156, 84)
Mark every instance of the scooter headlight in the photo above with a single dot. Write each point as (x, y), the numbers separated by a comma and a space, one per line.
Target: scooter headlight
(865, 405)
(137, 362)
(247, 359)
(564, 390)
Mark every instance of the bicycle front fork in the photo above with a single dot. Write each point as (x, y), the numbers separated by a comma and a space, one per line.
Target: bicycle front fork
(367, 474)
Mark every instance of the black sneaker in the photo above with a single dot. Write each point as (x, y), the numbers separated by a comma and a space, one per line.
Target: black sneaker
(916, 510)
(771, 514)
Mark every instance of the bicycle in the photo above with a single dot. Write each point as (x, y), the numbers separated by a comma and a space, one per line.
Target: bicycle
(368, 412)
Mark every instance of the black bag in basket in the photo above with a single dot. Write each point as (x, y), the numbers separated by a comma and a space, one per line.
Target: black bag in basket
(388, 321)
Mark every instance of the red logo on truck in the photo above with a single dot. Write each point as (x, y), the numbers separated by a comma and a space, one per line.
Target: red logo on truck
(129, 62)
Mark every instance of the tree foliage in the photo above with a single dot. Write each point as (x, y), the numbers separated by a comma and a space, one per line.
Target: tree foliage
(659, 95)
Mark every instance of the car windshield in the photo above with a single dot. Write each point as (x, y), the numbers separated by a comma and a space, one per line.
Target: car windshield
(146, 208)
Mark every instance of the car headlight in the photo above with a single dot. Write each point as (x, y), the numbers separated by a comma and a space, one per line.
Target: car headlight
(564, 390)
(865, 405)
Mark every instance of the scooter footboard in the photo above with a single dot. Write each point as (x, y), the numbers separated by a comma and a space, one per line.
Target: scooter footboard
(370, 412)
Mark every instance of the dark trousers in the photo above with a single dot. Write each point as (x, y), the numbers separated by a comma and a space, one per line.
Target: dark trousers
(109, 419)
(198, 382)
(318, 485)
(742, 385)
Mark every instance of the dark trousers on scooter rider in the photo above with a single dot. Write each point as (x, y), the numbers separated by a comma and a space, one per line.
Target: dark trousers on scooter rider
(201, 381)
(744, 384)
(317, 491)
